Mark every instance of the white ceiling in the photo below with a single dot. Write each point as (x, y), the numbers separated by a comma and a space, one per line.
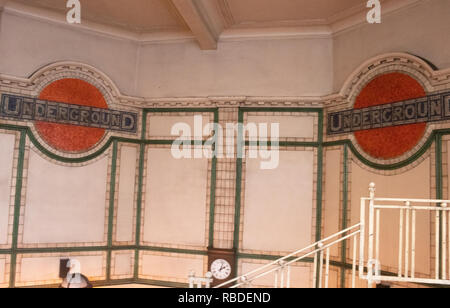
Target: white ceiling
(282, 11)
(211, 20)
(133, 15)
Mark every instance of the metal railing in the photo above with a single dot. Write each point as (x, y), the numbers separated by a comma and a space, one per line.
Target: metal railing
(407, 239)
(369, 270)
(281, 268)
(199, 282)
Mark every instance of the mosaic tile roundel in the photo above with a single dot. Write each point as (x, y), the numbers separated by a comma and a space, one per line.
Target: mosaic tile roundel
(389, 142)
(71, 138)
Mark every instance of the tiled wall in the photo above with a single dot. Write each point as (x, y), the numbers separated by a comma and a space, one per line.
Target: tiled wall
(133, 213)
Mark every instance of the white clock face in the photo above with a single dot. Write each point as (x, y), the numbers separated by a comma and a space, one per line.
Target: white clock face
(221, 269)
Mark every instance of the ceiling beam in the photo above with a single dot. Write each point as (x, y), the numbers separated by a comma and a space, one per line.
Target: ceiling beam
(2, 3)
(197, 19)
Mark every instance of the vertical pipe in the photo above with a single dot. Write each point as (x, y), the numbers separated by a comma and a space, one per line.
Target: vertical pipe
(408, 210)
(400, 244)
(355, 241)
(444, 242)
(413, 245)
(437, 254)
(327, 268)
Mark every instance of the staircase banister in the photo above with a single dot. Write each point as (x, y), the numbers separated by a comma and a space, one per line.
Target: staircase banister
(276, 262)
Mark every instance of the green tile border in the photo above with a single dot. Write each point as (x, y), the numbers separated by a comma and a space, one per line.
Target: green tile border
(17, 207)
(212, 200)
(112, 193)
(25, 131)
(439, 191)
(239, 165)
(344, 213)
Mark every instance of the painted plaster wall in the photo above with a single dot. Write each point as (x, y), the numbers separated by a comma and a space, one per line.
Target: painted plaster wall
(284, 67)
(253, 68)
(420, 30)
(27, 45)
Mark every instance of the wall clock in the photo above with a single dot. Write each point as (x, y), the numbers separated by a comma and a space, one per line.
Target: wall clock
(221, 263)
(221, 269)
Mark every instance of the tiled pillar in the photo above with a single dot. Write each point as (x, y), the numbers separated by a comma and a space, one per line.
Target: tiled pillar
(226, 183)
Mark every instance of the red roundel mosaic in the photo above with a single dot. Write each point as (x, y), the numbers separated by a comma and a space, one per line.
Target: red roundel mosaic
(65, 137)
(389, 142)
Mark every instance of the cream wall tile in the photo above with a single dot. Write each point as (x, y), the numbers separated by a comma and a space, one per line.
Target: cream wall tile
(175, 199)
(161, 125)
(127, 186)
(47, 268)
(123, 263)
(290, 126)
(2, 270)
(331, 213)
(65, 204)
(278, 203)
(171, 267)
(7, 142)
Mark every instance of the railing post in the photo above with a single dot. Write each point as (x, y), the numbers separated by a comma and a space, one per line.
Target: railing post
(407, 233)
(437, 237)
(355, 243)
(208, 280)
(288, 283)
(444, 242)
(371, 222)
(315, 271)
(320, 245)
(282, 274)
(199, 281)
(191, 279)
(362, 237)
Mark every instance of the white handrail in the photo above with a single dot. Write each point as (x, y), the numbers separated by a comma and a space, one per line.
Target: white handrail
(369, 261)
(281, 263)
(407, 243)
